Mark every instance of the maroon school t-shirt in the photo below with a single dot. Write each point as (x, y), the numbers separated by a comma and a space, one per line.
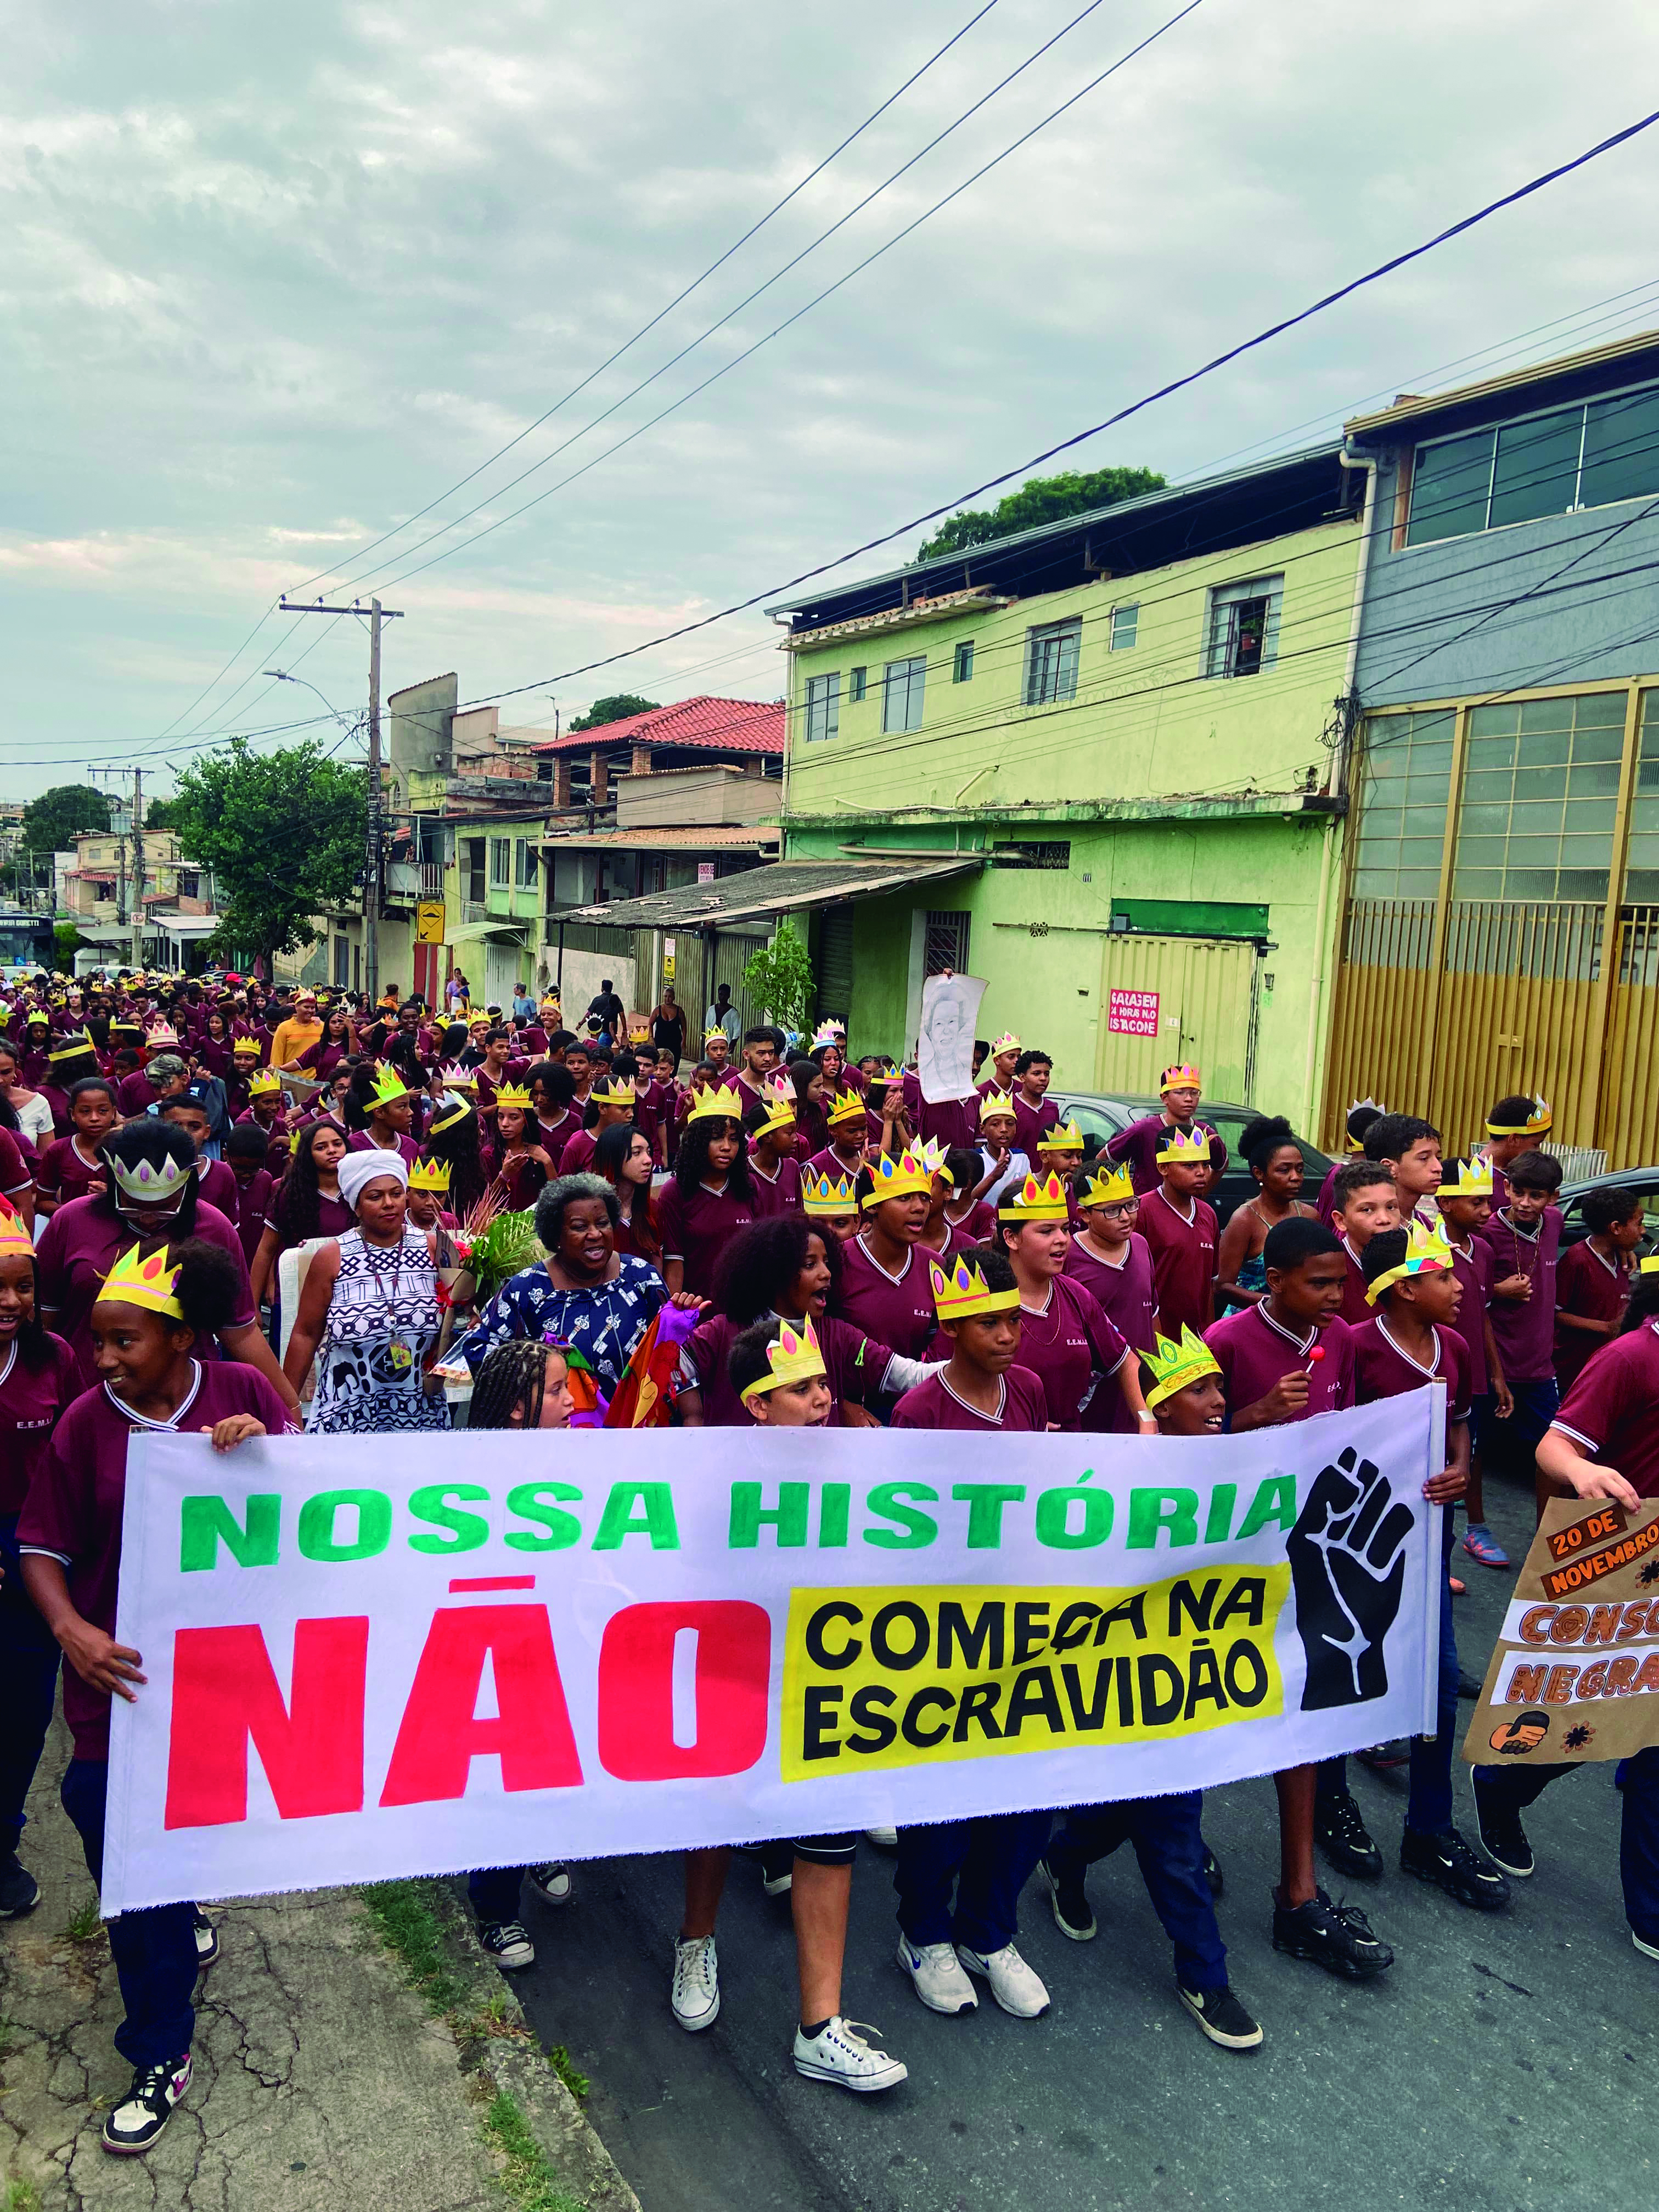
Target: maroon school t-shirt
(854, 1367)
(896, 1310)
(1138, 1145)
(1254, 1351)
(1382, 1369)
(934, 1405)
(1598, 1289)
(778, 1194)
(1525, 1328)
(1472, 1264)
(64, 1172)
(696, 1231)
(73, 1511)
(1066, 1344)
(1613, 1409)
(829, 1162)
(31, 1400)
(1355, 1310)
(1130, 1300)
(82, 1242)
(1183, 1262)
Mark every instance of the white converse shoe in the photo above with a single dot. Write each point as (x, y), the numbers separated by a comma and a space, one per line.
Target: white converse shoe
(885, 1840)
(1017, 1987)
(940, 1983)
(552, 1883)
(840, 2055)
(696, 1993)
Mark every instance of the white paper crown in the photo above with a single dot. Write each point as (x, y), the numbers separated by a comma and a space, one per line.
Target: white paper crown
(148, 1185)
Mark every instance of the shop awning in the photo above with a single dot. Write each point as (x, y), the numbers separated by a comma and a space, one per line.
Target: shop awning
(499, 925)
(785, 887)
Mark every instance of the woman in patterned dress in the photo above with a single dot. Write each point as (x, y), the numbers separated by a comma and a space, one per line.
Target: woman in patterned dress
(370, 1307)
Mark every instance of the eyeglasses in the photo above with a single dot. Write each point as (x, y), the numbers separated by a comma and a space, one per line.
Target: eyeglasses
(1122, 1210)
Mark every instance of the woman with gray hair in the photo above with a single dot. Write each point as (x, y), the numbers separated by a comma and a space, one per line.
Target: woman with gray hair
(585, 1293)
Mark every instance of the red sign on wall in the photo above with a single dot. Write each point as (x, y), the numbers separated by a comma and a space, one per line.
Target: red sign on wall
(1132, 1013)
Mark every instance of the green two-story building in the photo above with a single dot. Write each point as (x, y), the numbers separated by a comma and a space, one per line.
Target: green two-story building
(1113, 749)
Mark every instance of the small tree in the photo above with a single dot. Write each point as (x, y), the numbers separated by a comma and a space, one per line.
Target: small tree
(50, 824)
(779, 977)
(66, 938)
(615, 709)
(285, 834)
(1038, 499)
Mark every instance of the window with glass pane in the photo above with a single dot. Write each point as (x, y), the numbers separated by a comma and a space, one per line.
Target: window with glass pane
(1574, 457)
(857, 681)
(1125, 621)
(501, 860)
(1051, 659)
(962, 662)
(1244, 627)
(1451, 487)
(1621, 449)
(901, 694)
(526, 856)
(1405, 785)
(1540, 786)
(1536, 470)
(1641, 853)
(823, 705)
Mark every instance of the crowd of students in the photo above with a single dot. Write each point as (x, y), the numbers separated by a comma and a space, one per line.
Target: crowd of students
(848, 1253)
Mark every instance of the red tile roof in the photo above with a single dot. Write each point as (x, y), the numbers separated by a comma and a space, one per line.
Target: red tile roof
(704, 725)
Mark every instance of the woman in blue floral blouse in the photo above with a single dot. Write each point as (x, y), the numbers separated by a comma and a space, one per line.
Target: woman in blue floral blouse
(585, 1293)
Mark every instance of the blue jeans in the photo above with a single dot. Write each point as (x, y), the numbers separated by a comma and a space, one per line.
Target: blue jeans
(1636, 1780)
(1164, 1831)
(1429, 1801)
(1509, 1447)
(493, 1893)
(29, 1671)
(155, 1951)
(989, 1860)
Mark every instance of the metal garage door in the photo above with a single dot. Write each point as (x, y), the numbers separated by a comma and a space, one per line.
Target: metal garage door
(1165, 999)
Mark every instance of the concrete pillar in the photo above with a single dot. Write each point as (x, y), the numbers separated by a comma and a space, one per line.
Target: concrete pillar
(561, 779)
(600, 780)
(641, 761)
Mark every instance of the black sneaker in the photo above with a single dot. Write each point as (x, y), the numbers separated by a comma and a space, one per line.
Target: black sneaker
(507, 1943)
(1452, 1865)
(1335, 1936)
(1502, 1836)
(1069, 1902)
(552, 1883)
(207, 1941)
(1213, 1871)
(141, 2114)
(777, 1869)
(1222, 2017)
(20, 1893)
(1342, 1835)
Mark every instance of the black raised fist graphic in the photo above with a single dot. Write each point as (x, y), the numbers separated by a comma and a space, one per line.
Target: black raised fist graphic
(1348, 1566)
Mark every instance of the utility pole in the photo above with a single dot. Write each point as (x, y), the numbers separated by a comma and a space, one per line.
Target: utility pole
(374, 858)
(138, 867)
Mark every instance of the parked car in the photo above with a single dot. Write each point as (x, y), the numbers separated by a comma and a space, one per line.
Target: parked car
(1098, 1115)
(1643, 1182)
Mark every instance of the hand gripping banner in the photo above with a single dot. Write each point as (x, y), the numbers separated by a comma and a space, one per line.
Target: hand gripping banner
(495, 1649)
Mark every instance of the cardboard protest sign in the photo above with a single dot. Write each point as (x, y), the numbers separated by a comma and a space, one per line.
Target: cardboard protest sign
(490, 1649)
(1577, 1661)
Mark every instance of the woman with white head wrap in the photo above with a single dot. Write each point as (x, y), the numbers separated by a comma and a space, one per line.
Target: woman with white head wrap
(369, 1308)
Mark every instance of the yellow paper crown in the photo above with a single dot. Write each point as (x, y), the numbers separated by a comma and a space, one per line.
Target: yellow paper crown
(711, 1102)
(899, 1178)
(76, 1045)
(242, 1044)
(389, 1086)
(1428, 1251)
(933, 1158)
(613, 1091)
(710, 1036)
(793, 1356)
(965, 1291)
(849, 1107)
(1035, 1201)
(136, 1282)
(1539, 1122)
(1006, 1042)
(516, 1096)
(16, 1243)
(994, 1102)
(1183, 1077)
(1473, 1179)
(825, 1195)
(1175, 1365)
(1109, 1185)
(263, 1082)
(451, 1109)
(1191, 1146)
(429, 1175)
(778, 1096)
(1064, 1137)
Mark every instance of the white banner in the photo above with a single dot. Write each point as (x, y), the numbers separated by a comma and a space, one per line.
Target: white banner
(429, 1653)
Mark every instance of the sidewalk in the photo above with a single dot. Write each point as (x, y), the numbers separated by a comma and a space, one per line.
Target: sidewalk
(322, 2077)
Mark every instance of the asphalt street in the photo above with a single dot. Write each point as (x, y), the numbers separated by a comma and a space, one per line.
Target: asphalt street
(1505, 2064)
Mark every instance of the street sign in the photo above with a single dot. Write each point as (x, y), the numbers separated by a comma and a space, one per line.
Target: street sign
(429, 922)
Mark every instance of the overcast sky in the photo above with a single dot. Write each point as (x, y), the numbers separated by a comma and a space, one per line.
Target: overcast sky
(275, 278)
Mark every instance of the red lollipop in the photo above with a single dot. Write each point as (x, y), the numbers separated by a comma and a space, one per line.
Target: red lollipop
(1318, 1353)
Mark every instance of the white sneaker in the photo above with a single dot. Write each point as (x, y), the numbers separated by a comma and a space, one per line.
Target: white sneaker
(695, 1995)
(885, 1840)
(551, 1884)
(839, 2054)
(1648, 1950)
(207, 1941)
(940, 1983)
(1017, 1987)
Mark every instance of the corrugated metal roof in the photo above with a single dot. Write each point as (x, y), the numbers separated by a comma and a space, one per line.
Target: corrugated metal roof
(785, 887)
(718, 837)
(740, 725)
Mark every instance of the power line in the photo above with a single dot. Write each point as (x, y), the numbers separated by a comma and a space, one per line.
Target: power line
(1233, 352)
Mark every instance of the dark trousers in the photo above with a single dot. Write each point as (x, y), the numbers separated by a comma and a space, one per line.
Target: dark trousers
(1510, 1448)
(1636, 1780)
(493, 1893)
(28, 1680)
(1164, 1831)
(1429, 1802)
(989, 1860)
(155, 1952)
